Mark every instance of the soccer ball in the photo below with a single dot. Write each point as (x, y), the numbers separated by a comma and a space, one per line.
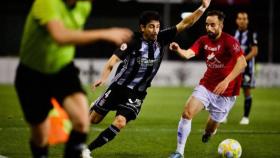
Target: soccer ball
(229, 148)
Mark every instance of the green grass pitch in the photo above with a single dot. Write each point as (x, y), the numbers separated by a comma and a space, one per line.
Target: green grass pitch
(153, 134)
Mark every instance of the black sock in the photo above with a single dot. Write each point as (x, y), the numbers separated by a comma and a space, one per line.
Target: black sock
(104, 137)
(75, 144)
(247, 106)
(38, 152)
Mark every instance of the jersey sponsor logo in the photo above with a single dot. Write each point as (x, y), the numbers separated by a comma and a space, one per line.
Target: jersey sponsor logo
(213, 62)
(147, 62)
(212, 49)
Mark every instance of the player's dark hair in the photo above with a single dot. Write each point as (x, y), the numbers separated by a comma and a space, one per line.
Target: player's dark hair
(148, 16)
(242, 12)
(221, 16)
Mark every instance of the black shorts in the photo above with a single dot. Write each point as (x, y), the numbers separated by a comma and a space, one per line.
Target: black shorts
(125, 101)
(35, 90)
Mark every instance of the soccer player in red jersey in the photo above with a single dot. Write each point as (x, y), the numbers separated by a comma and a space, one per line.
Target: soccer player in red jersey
(220, 84)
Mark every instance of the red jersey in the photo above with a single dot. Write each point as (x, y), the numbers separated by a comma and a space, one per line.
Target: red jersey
(220, 56)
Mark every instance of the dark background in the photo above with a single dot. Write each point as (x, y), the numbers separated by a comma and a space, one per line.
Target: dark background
(108, 13)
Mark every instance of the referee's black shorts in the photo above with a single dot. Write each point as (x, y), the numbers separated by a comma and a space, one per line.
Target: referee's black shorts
(35, 90)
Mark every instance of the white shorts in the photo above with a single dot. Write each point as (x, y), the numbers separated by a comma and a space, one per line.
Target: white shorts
(218, 106)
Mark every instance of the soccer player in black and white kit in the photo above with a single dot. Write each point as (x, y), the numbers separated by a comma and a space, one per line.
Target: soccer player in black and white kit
(140, 61)
(248, 41)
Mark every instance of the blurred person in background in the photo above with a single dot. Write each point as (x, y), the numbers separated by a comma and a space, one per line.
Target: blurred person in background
(249, 44)
(46, 69)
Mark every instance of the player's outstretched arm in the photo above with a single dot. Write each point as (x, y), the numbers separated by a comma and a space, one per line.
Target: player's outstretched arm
(187, 54)
(63, 35)
(237, 69)
(106, 71)
(190, 20)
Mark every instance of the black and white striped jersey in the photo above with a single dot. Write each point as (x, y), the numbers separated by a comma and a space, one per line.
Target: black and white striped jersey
(247, 39)
(141, 60)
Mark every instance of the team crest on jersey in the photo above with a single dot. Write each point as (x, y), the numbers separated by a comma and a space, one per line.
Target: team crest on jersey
(123, 47)
(236, 47)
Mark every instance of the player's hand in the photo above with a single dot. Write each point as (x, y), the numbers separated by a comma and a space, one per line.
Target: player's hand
(221, 87)
(205, 3)
(174, 46)
(119, 35)
(96, 84)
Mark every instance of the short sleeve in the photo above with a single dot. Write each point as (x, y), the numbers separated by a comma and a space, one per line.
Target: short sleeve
(82, 10)
(122, 51)
(196, 47)
(128, 48)
(45, 10)
(167, 35)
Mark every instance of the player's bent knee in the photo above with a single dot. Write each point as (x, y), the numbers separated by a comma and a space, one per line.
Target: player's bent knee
(187, 114)
(120, 122)
(95, 117)
(95, 120)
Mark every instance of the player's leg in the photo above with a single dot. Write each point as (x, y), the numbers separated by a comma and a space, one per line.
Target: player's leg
(192, 107)
(35, 104)
(67, 89)
(219, 108)
(110, 133)
(39, 139)
(95, 117)
(128, 105)
(197, 101)
(210, 129)
(247, 105)
(99, 109)
(248, 83)
(77, 108)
